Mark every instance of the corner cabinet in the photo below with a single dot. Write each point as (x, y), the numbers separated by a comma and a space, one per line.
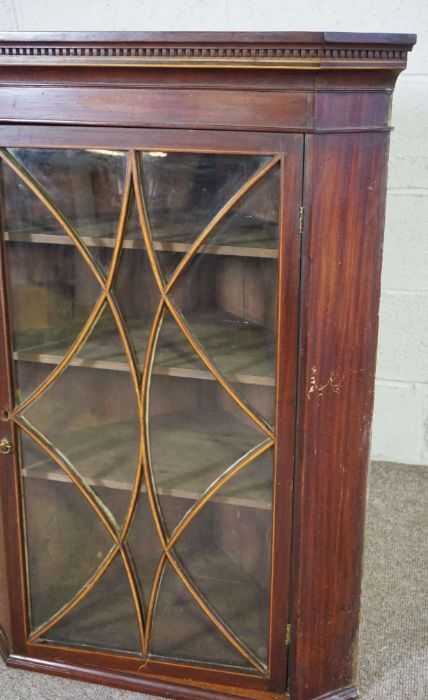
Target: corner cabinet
(191, 248)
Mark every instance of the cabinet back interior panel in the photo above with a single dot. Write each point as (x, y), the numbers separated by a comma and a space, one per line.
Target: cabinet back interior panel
(181, 224)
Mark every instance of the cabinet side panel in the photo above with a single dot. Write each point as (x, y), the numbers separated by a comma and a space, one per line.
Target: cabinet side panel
(345, 181)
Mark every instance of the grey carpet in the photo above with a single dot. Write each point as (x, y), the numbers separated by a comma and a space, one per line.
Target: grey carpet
(393, 637)
(394, 630)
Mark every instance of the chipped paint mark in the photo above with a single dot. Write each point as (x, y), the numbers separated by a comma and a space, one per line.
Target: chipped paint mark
(312, 382)
(318, 389)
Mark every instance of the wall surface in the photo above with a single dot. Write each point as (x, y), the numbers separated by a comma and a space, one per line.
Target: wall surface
(400, 431)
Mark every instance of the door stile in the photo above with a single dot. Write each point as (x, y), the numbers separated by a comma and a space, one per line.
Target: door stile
(13, 600)
(286, 392)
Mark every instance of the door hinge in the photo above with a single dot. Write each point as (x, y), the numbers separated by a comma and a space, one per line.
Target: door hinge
(288, 635)
(301, 219)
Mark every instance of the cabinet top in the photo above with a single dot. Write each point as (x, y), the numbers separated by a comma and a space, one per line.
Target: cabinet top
(287, 50)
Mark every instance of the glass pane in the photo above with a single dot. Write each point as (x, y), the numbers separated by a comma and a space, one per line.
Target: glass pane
(183, 191)
(251, 225)
(134, 287)
(86, 185)
(90, 414)
(51, 289)
(181, 630)
(105, 619)
(226, 550)
(144, 543)
(196, 431)
(65, 539)
(230, 301)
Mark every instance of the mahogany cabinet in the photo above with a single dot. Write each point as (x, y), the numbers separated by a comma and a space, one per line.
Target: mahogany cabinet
(190, 267)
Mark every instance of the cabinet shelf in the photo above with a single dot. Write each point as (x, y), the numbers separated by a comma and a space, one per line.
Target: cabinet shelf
(257, 245)
(110, 448)
(238, 347)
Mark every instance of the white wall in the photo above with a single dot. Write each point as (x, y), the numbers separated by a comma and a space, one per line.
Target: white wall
(400, 431)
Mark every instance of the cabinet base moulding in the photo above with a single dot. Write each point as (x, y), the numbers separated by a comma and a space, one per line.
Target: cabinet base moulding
(155, 686)
(349, 693)
(165, 689)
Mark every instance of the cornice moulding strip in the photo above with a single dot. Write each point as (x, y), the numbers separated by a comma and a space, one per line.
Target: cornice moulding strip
(208, 55)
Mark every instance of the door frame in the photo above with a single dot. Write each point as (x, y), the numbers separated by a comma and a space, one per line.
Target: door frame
(106, 666)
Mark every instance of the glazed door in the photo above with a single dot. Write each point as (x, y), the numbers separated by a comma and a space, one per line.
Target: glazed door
(152, 290)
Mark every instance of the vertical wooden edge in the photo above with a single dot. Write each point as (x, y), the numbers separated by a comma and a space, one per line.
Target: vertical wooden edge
(5, 620)
(344, 195)
(286, 386)
(12, 605)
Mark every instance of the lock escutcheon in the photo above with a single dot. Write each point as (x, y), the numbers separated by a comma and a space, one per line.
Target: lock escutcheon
(5, 446)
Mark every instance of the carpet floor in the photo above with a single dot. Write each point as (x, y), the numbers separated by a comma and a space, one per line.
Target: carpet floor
(393, 636)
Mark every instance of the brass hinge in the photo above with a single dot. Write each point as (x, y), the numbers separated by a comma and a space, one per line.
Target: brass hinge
(301, 219)
(288, 635)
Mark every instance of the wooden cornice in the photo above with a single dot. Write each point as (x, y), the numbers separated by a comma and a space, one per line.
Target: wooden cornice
(275, 50)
